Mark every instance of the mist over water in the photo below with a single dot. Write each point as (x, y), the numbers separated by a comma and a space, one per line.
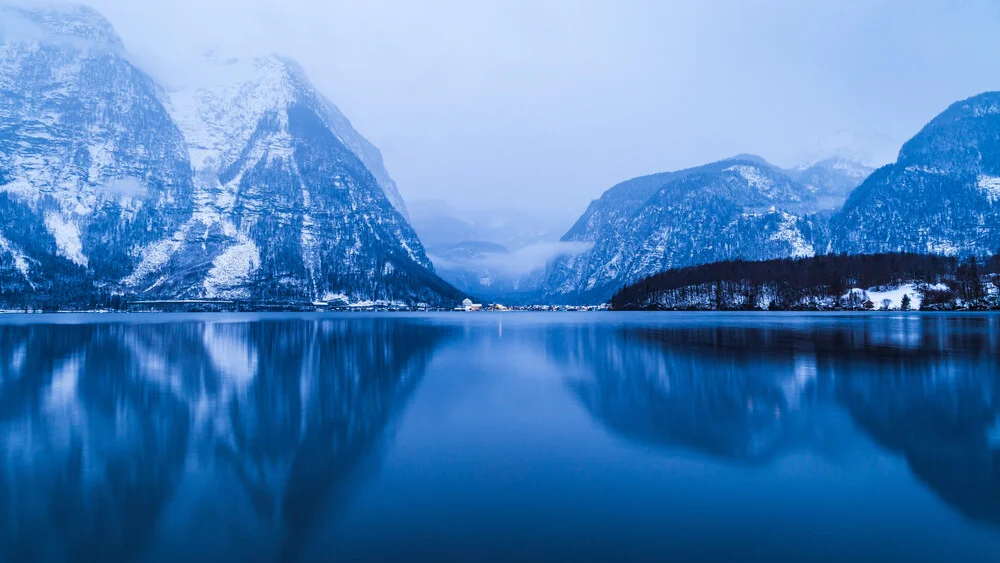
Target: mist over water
(263, 438)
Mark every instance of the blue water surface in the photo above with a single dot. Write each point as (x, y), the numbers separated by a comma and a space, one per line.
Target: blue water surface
(500, 437)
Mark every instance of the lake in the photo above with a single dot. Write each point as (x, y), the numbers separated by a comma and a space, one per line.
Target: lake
(496, 436)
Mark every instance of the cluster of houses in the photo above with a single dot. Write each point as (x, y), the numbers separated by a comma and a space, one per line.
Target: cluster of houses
(602, 307)
(468, 305)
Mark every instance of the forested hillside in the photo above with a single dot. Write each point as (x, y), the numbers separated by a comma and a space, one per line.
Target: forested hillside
(829, 282)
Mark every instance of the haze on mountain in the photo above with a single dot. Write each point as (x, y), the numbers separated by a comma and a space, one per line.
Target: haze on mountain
(493, 253)
(531, 105)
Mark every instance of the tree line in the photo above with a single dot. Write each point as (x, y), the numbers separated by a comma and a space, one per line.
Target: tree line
(797, 283)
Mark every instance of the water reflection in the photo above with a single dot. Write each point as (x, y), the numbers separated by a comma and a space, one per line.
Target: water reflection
(121, 440)
(89, 459)
(924, 387)
(262, 439)
(945, 427)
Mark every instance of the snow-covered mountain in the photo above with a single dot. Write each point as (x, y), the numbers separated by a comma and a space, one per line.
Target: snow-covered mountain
(86, 145)
(254, 186)
(941, 196)
(741, 207)
(283, 204)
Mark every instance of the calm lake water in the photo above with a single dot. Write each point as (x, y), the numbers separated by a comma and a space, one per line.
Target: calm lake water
(712, 437)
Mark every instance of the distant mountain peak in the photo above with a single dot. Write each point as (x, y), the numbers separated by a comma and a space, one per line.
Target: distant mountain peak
(837, 162)
(749, 157)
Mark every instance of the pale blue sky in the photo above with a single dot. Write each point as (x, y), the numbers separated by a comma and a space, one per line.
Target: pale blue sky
(547, 103)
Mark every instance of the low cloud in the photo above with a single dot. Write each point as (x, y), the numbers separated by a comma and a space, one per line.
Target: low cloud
(126, 187)
(39, 21)
(520, 262)
(14, 26)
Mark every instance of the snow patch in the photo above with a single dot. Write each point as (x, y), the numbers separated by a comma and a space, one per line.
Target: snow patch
(20, 260)
(231, 270)
(753, 177)
(984, 110)
(218, 120)
(941, 247)
(154, 257)
(790, 233)
(925, 169)
(893, 297)
(67, 235)
(990, 187)
(851, 169)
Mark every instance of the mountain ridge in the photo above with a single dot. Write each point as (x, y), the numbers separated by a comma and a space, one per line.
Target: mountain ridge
(739, 207)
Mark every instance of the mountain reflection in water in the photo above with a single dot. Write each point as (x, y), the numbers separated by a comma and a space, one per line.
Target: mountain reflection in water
(274, 438)
(112, 430)
(927, 387)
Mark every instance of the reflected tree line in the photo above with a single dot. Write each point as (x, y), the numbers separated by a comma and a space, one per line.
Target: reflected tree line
(925, 388)
(116, 435)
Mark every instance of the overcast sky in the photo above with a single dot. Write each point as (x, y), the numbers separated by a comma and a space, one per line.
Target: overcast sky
(549, 102)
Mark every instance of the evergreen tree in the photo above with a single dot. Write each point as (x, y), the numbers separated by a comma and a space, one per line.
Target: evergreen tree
(970, 284)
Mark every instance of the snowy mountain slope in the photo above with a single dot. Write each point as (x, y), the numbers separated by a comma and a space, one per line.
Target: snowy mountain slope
(740, 207)
(941, 194)
(219, 118)
(29, 260)
(253, 187)
(265, 145)
(85, 141)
